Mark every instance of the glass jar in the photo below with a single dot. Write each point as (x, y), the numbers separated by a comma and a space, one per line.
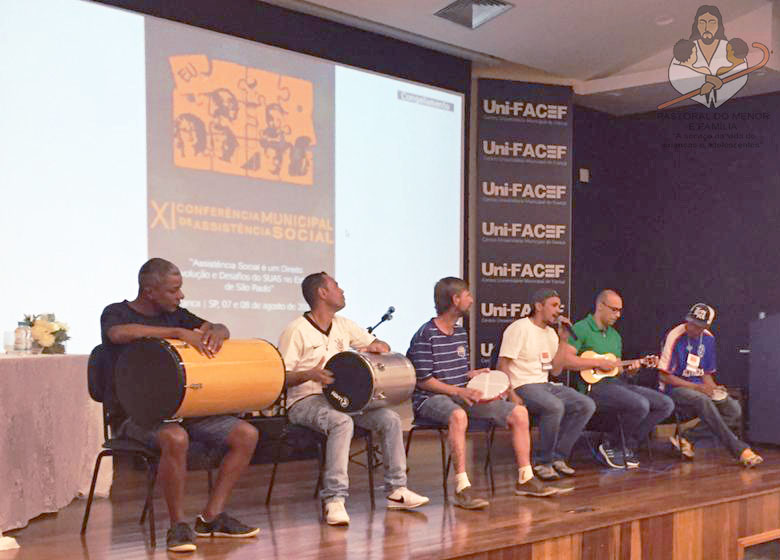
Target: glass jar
(22, 338)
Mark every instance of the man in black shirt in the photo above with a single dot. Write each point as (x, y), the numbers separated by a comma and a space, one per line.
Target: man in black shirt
(155, 312)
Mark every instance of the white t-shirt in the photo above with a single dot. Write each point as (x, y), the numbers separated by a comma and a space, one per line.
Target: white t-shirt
(304, 346)
(530, 349)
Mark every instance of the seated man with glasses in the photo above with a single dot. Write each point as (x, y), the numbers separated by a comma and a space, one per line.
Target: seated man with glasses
(640, 408)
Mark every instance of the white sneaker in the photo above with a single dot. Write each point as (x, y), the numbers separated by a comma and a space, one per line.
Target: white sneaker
(403, 498)
(335, 513)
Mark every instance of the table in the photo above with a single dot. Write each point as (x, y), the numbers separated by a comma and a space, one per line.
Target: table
(50, 434)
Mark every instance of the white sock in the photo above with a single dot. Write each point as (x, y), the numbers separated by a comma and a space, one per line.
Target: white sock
(524, 474)
(461, 481)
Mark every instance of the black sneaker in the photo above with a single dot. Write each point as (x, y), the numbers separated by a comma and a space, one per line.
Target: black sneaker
(612, 457)
(224, 526)
(180, 538)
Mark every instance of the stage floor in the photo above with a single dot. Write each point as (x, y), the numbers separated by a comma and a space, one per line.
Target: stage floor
(291, 529)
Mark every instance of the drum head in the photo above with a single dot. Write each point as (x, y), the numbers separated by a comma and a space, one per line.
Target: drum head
(354, 382)
(492, 384)
(149, 379)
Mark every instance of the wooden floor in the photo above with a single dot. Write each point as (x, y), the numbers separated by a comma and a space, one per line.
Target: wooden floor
(665, 510)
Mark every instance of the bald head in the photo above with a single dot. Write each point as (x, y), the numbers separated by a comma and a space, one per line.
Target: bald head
(609, 307)
(605, 295)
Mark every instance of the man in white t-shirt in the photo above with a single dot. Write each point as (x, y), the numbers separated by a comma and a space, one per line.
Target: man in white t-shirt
(306, 344)
(529, 354)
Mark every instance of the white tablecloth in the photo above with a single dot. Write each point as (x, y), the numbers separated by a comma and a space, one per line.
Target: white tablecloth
(50, 434)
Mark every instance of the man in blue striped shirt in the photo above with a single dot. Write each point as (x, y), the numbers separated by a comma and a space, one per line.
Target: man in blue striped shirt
(439, 352)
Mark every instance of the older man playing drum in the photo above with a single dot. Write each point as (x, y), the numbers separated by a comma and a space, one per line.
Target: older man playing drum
(155, 312)
(306, 344)
(439, 352)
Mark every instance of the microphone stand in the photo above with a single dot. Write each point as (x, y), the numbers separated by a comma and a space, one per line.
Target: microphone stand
(386, 317)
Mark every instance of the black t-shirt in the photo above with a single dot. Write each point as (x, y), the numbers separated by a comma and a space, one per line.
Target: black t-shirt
(122, 314)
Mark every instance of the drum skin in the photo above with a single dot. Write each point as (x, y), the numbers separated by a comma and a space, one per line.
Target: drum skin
(365, 380)
(157, 379)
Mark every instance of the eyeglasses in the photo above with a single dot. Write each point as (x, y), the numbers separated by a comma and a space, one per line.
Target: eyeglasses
(613, 309)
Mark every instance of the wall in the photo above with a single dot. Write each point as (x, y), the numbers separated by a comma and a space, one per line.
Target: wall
(668, 227)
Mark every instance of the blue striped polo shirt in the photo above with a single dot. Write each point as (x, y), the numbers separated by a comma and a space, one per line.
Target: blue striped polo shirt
(435, 354)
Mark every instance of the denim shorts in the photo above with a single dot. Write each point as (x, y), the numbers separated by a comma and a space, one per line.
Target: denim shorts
(211, 431)
(439, 408)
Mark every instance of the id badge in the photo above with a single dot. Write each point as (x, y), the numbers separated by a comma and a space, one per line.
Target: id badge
(692, 365)
(546, 362)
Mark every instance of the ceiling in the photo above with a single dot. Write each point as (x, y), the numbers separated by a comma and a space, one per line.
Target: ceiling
(614, 53)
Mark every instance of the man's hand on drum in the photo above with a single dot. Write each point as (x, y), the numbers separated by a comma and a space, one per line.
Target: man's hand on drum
(377, 347)
(213, 336)
(195, 339)
(469, 396)
(322, 376)
(474, 372)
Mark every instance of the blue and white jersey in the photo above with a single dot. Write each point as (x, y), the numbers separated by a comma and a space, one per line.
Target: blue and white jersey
(435, 354)
(689, 358)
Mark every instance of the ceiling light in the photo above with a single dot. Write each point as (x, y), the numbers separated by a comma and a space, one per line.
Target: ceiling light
(662, 21)
(473, 13)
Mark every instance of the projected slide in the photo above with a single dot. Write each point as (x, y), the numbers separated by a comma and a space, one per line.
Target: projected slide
(241, 177)
(246, 165)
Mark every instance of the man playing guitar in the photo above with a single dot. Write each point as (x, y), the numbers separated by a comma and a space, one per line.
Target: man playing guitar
(640, 408)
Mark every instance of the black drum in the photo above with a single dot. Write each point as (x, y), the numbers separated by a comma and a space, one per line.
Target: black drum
(364, 380)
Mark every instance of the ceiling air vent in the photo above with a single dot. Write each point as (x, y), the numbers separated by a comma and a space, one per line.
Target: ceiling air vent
(473, 13)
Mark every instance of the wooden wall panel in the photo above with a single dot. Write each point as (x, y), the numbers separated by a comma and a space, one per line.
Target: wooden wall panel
(561, 548)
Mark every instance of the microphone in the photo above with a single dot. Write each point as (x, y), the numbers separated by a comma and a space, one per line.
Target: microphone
(386, 317)
(567, 326)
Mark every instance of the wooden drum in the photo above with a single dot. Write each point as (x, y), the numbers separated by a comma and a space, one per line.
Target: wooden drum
(157, 379)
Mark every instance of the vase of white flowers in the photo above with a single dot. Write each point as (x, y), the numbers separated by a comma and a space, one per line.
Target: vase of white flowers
(48, 334)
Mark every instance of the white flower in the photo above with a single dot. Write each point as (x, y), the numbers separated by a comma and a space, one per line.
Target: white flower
(46, 340)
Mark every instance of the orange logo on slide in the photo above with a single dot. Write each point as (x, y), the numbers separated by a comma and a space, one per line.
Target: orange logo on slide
(234, 119)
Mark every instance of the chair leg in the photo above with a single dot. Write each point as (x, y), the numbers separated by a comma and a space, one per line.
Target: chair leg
(622, 439)
(92, 489)
(151, 470)
(409, 441)
(370, 461)
(650, 447)
(321, 467)
(489, 458)
(445, 463)
(151, 477)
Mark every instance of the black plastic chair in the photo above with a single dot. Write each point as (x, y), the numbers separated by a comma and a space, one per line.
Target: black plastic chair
(198, 456)
(475, 425)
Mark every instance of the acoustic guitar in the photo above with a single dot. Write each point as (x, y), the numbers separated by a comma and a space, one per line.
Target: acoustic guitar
(592, 376)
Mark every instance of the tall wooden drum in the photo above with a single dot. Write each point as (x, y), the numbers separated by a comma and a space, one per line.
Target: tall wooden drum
(158, 379)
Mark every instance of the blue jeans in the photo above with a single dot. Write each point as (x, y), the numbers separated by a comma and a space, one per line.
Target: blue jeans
(563, 414)
(715, 417)
(315, 412)
(640, 408)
